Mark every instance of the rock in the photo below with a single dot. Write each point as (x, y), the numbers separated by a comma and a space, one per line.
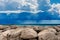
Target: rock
(28, 33)
(52, 30)
(8, 28)
(57, 28)
(14, 27)
(29, 27)
(1, 31)
(58, 38)
(13, 34)
(58, 35)
(46, 27)
(2, 37)
(47, 35)
(2, 27)
(15, 38)
(32, 39)
(38, 28)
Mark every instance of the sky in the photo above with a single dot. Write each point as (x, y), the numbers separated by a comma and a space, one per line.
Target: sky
(29, 11)
(55, 1)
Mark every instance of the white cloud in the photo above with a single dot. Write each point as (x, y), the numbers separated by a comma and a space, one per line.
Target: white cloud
(32, 3)
(55, 8)
(44, 4)
(2, 3)
(44, 1)
(35, 5)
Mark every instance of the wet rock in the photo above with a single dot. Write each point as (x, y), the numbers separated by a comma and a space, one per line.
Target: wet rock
(28, 33)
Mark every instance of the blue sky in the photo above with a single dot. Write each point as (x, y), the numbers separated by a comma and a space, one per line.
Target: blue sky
(32, 11)
(55, 1)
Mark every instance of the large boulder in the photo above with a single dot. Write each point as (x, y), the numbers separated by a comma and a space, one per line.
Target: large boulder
(1, 31)
(57, 28)
(2, 27)
(28, 33)
(52, 30)
(12, 34)
(33, 39)
(58, 35)
(48, 34)
(2, 37)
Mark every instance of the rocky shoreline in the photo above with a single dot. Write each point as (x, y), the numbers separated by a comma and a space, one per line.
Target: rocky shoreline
(29, 32)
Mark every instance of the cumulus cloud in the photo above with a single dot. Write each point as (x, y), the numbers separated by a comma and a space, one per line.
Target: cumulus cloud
(31, 5)
(55, 8)
(2, 5)
(44, 5)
